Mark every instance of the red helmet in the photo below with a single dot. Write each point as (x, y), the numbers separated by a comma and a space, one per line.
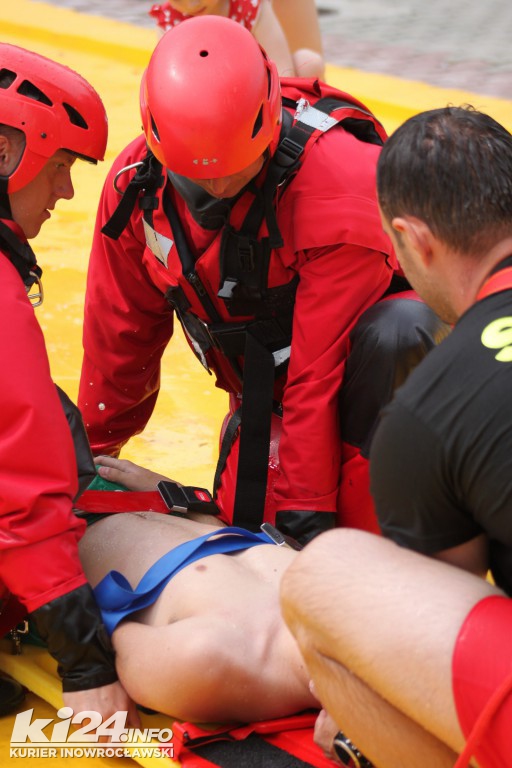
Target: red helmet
(210, 99)
(53, 106)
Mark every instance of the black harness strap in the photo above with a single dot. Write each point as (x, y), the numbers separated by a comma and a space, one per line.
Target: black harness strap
(21, 256)
(188, 262)
(257, 397)
(176, 296)
(147, 178)
(225, 448)
(361, 127)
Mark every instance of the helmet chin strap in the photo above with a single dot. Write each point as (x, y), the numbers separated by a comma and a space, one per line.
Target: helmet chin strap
(5, 204)
(23, 259)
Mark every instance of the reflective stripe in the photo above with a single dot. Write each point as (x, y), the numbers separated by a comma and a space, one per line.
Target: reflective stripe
(281, 356)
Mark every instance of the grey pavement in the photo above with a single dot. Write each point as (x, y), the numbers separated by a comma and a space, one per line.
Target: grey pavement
(448, 43)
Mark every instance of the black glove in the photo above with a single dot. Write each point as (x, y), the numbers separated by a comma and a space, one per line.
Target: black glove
(304, 526)
(71, 626)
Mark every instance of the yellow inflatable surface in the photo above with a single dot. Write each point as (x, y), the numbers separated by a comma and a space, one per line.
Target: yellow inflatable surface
(181, 439)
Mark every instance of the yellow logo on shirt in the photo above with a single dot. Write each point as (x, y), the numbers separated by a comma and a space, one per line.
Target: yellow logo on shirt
(498, 335)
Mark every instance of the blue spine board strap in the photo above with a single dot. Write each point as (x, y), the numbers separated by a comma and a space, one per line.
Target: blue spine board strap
(116, 597)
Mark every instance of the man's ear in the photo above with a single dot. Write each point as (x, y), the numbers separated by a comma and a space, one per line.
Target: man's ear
(4, 151)
(417, 235)
(5, 156)
(8, 156)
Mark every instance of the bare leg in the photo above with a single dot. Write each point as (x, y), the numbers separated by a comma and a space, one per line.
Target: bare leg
(299, 20)
(385, 736)
(377, 625)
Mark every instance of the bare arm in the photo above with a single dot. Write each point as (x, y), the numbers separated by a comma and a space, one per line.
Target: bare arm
(269, 34)
(185, 666)
(127, 473)
(472, 556)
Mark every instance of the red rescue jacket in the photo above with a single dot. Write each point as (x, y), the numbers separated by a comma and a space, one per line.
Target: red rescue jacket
(38, 530)
(334, 254)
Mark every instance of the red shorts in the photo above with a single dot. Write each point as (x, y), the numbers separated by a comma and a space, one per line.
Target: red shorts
(482, 662)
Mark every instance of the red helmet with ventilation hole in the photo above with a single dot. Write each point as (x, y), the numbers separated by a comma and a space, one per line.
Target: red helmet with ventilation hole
(210, 99)
(53, 106)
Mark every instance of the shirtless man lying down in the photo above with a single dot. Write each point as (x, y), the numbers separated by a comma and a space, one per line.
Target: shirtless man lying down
(213, 645)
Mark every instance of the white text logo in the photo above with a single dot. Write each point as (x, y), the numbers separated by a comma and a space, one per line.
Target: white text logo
(44, 737)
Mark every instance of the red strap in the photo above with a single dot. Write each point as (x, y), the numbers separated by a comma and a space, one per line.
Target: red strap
(292, 734)
(500, 281)
(121, 501)
(192, 733)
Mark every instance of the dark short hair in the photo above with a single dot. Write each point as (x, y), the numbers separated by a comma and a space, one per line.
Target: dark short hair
(452, 168)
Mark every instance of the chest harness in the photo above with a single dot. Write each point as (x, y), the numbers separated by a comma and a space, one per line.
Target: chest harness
(264, 342)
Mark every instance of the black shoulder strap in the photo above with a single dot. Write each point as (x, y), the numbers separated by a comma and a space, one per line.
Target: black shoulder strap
(20, 255)
(147, 178)
(292, 145)
(287, 157)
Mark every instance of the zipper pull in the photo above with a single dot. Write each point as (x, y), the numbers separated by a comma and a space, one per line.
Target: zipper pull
(194, 280)
(15, 636)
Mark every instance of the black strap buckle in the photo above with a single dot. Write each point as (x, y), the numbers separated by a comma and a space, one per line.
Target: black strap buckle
(288, 152)
(181, 499)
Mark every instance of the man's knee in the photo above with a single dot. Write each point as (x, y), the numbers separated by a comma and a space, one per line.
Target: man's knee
(387, 343)
(320, 571)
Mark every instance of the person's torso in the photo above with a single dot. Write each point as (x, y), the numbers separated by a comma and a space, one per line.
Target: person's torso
(239, 589)
(462, 392)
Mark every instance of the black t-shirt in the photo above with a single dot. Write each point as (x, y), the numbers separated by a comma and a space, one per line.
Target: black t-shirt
(441, 458)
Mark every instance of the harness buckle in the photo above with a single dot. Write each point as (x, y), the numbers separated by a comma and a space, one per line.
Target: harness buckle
(288, 152)
(246, 254)
(37, 298)
(278, 538)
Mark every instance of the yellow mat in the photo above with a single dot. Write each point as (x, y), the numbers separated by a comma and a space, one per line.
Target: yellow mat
(181, 438)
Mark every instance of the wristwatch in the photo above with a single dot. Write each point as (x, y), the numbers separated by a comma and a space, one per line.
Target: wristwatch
(348, 753)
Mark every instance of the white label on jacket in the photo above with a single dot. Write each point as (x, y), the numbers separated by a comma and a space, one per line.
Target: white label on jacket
(160, 245)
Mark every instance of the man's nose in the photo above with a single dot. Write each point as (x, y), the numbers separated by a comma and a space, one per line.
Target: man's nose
(64, 187)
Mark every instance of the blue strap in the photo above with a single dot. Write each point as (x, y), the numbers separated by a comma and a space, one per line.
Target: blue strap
(117, 599)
